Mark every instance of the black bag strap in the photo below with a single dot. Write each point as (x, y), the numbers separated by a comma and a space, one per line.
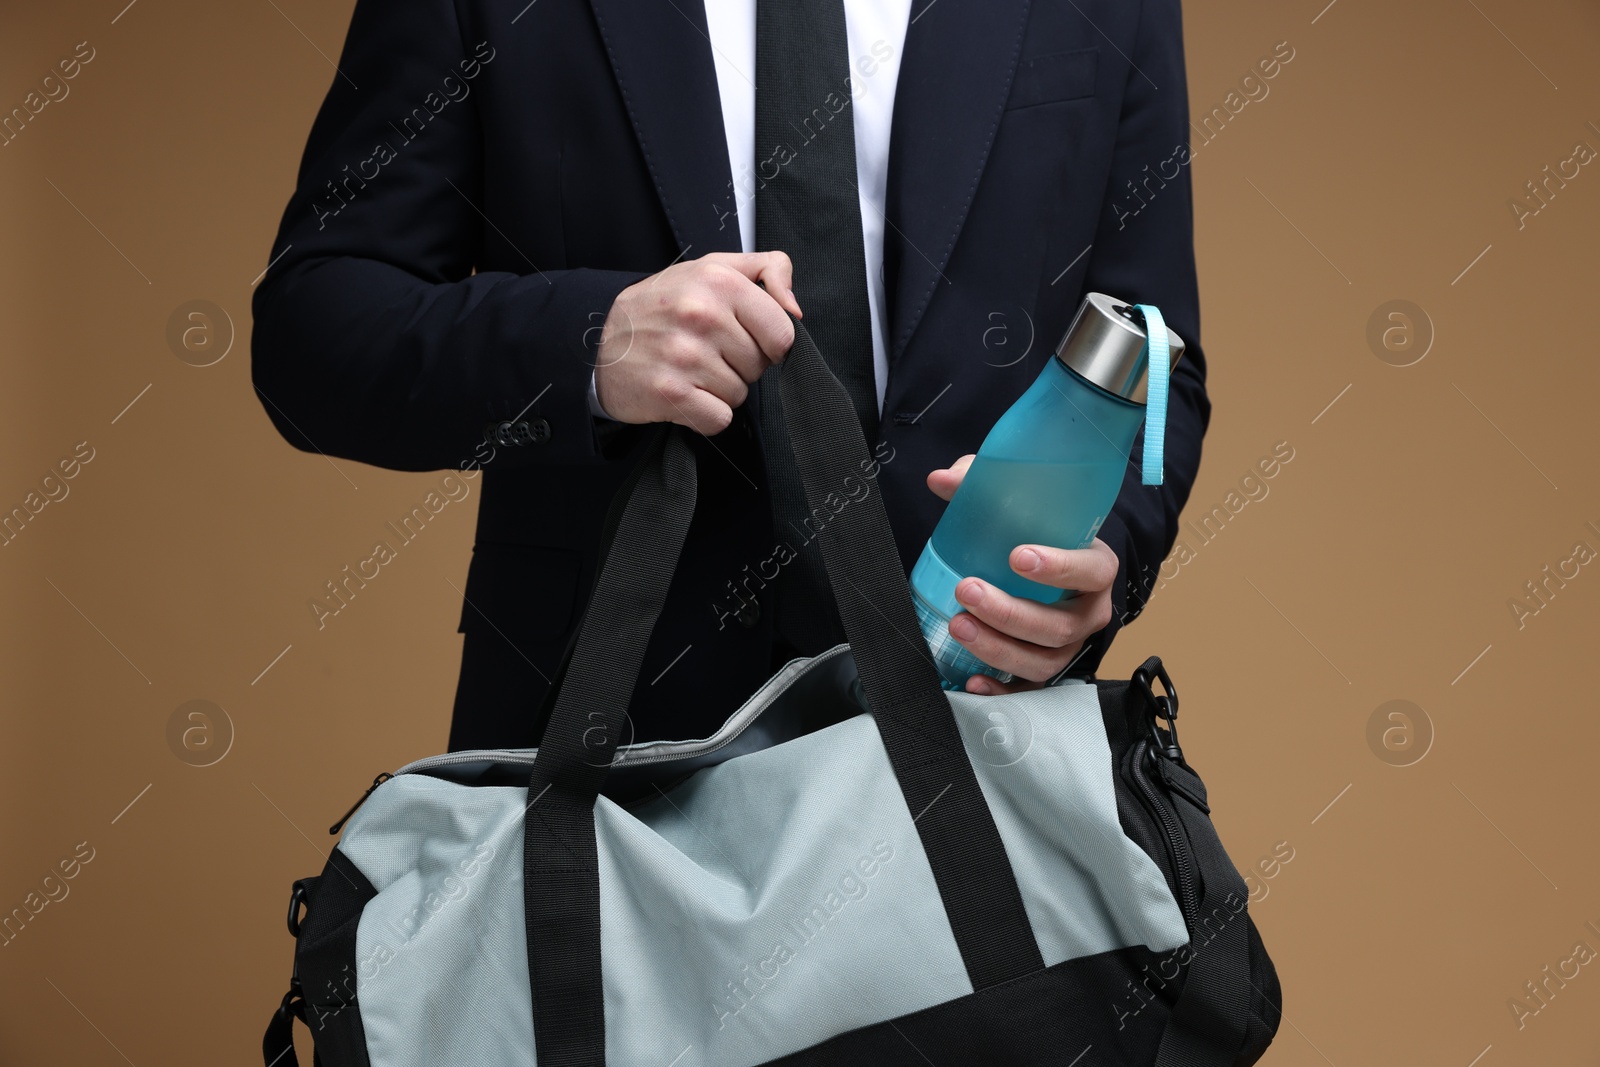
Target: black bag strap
(277, 1044)
(919, 731)
(1208, 1025)
(914, 718)
(644, 455)
(561, 879)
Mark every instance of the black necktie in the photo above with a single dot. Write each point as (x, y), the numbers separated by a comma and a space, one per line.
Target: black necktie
(808, 205)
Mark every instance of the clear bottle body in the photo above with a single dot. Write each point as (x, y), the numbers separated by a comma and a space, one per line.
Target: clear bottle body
(1048, 473)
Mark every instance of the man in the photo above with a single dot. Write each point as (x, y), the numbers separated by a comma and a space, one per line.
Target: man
(523, 232)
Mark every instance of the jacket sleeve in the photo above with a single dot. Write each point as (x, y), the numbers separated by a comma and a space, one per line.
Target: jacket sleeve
(373, 337)
(1144, 251)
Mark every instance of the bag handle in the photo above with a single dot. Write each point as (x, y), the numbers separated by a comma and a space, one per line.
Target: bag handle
(913, 715)
(560, 863)
(914, 718)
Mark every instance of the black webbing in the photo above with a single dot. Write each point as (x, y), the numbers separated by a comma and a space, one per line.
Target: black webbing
(561, 879)
(914, 718)
(1209, 1022)
(277, 1045)
(646, 459)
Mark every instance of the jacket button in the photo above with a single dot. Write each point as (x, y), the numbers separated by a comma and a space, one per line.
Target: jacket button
(508, 434)
(749, 614)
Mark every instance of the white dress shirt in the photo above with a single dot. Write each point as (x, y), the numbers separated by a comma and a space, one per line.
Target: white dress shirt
(876, 30)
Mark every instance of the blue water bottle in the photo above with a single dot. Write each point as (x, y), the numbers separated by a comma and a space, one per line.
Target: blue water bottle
(1050, 470)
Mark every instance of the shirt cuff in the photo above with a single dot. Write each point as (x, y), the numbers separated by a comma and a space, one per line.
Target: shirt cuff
(594, 402)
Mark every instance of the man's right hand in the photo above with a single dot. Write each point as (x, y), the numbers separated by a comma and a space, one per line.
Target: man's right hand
(685, 345)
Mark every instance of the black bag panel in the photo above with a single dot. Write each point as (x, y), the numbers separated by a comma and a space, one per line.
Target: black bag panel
(1109, 1009)
(1266, 1008)
(1139, 822)
(1125, 716)
(325, 961)
(1122, 713)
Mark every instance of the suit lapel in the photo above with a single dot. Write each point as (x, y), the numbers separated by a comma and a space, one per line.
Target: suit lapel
(661, 56)
(955, 75)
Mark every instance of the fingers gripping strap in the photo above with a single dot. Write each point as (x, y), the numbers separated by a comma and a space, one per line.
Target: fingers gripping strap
(1155, 405)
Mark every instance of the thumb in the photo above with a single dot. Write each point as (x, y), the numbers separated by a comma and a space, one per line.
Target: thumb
(945, 481)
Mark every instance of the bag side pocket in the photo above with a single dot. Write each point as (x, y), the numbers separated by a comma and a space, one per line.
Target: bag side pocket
(325, 960)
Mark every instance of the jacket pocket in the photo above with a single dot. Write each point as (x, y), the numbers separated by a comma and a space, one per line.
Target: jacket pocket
(1054, 77)
(526, 593)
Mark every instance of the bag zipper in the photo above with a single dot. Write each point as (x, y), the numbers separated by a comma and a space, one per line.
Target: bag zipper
(376, 782)
(1177, 843)
(674, 750)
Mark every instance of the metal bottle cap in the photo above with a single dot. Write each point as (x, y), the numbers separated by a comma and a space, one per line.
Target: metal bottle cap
(1106, 344)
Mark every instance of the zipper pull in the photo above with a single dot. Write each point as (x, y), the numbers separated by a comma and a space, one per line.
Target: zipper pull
(376, 782)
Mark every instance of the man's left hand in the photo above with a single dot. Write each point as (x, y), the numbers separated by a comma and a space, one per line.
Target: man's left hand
(1032, 641)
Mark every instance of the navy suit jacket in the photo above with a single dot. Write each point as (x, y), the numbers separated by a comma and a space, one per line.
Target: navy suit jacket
(483, 178)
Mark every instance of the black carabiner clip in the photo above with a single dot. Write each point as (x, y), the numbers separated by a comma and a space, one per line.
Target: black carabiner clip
(297, 898)
(1161, 707)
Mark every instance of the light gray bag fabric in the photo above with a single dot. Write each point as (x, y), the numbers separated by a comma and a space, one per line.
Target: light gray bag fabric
(737, 905)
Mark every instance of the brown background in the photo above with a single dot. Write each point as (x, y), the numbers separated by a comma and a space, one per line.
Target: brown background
(1378, 568)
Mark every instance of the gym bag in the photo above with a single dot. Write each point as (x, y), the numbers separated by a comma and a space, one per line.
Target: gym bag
(857, 868)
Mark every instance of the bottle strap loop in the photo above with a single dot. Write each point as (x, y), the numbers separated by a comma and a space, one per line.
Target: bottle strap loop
(1155, 405)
